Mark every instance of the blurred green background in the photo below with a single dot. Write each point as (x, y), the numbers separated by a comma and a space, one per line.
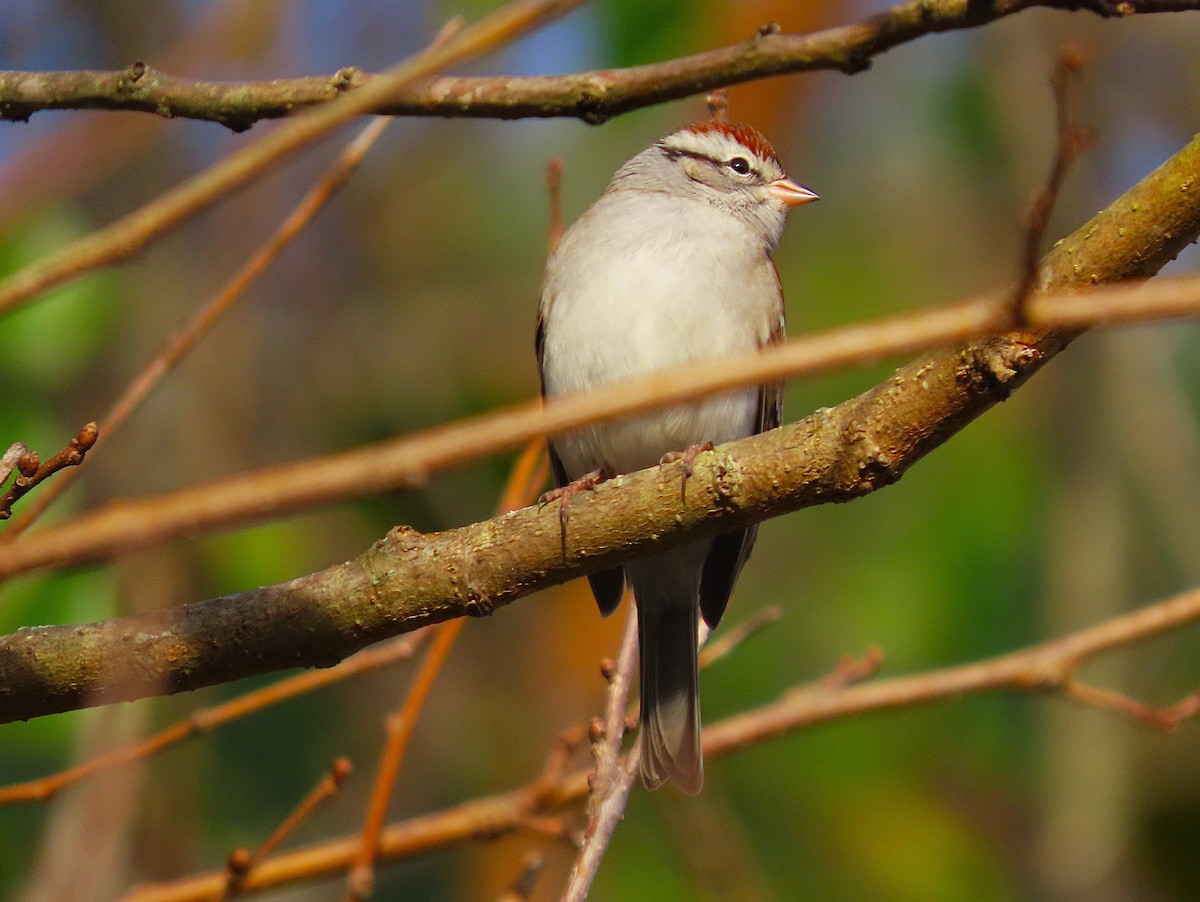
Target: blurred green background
(411, 302)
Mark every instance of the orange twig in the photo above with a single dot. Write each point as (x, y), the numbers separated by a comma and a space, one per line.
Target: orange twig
(206, 719)
(527, 475)
(361, 878)
(123, 239)
(190, 334)
(718, 104)
(242, 861)
(1166, 719)
(716, 649)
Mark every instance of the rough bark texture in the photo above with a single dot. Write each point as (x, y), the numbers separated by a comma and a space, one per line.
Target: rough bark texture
(591, 96)
(407, 579)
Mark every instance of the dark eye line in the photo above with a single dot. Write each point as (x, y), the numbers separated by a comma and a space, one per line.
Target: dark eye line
(738, 164)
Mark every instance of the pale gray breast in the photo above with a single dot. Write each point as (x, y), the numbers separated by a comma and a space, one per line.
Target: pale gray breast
(664, 281)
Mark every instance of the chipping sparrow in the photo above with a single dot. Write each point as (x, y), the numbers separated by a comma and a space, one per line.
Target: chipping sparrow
(671, 264)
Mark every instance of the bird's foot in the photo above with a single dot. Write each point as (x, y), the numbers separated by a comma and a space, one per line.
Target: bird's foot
(688, 455)
(563, 495)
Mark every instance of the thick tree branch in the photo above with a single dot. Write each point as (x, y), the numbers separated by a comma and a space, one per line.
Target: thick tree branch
(407, 580)
(591, 96)
(132, 525)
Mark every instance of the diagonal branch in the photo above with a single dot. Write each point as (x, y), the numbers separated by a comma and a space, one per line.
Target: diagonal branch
(610, 783)
(182, 341)
(31, 472)
(407, 580)
(124, 239)
(204, 720)
(847, 692)
(1132, 237)
(591, 96)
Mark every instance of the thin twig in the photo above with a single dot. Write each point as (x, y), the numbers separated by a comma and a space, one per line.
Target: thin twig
(852, 670)
(557, 765)
(1071, 140)
(608, 789)
(243, 861)
(1039, 669)
(206, 719)
(31, 473)
(526, 477)
(186, 338)
(126, 237)
(718, 104)
(716, 649)
(1161, 718)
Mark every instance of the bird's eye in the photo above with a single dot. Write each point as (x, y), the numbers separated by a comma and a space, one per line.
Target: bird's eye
(740, 165)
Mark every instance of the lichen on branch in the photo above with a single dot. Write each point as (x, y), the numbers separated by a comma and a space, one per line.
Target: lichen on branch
(408, 579)
(591, 96)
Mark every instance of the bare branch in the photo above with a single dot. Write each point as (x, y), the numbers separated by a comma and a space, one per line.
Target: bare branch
(186, 338)
(243, 861)
(133, 525)
(30, 472)
(718, 104)
(1071, 140)
(836, 454)
(206, 719)
(125, 238)
(1038, 669)
(608, 788)
(591, 96)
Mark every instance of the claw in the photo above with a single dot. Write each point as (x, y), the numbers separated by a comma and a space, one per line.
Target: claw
(563, 495)
(688, 455)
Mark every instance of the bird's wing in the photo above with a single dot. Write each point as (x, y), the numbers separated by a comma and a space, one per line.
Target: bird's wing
(731, 550)
(607, 585)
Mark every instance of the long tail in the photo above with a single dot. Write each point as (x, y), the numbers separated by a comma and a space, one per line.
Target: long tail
(670, 698)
